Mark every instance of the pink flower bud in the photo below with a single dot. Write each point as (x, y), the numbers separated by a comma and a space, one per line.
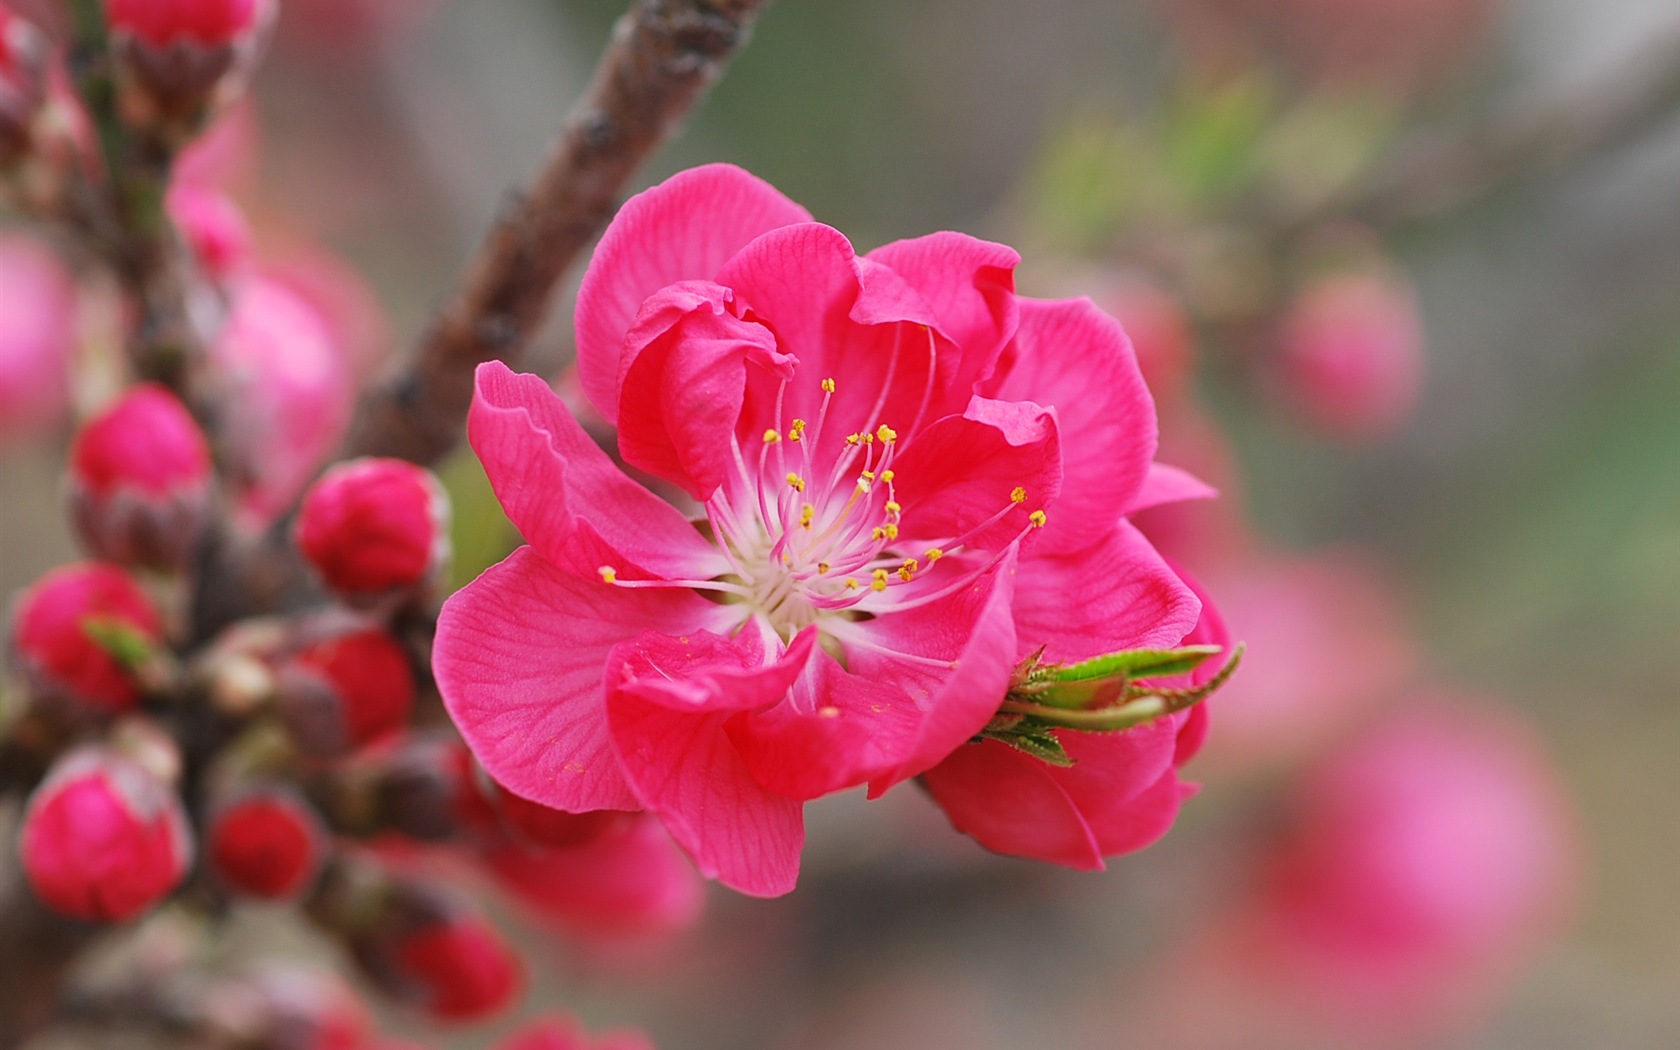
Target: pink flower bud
(1420, 865)
(373, 528)
(346, 692)
(103, 840)
(268, 843)
(23, 61)
(1351, 354)
(558, 1032)
(140, 480)
(180, 58)
(213, 227)
(449, 962)
(428, 789)
(37, 337)
(54, 628)
(286, 390)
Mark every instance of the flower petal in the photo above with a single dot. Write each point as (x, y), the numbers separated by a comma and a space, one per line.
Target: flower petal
(685, 375)
(672, 742)
(1070, 354)
(547, 472)
(1119, 594)
(685, 228)
(1008, 802)
(518, 661)
(1164, 485)
(1123, 783)
(963, 470)
(969, 284)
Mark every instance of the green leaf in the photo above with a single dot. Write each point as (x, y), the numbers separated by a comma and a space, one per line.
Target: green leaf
(120, 640)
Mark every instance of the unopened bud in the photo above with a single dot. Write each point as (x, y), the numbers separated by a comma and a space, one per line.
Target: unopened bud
(181, 59)
(23, 62)
(267, 843)
(38, 331)
(374, 528)
(79, 633)
(345, 692)
(213, 227)
(430, 950)
(103, 840)
(140, 481)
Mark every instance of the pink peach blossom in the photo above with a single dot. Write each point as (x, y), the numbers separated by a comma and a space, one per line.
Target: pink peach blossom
(907, 479)
(37, 337)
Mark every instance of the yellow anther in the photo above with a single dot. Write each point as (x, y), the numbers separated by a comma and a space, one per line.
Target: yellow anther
(887, 476)
(886, 434)
(771, 436)
(828, 386)
(797, 431)
(893, 507)
(851, 584)
(1019, 495)
(822, 568)
(807, 514)
(868, 439)
(1038, 518)
(867, 475)
(880, 582)
(796, 481)
(852, 439)
(608, 573)
(892, 531)
(934, 554)
(907, 571)
(828, 712)
(878, 533)
(912, 564)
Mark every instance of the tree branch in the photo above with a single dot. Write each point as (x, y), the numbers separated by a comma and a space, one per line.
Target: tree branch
(663, 56)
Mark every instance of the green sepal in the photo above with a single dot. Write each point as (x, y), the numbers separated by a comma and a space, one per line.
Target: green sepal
(1035, 740)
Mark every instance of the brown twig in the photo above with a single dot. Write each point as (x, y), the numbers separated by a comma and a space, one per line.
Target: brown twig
(663, 56)
(1442, 172)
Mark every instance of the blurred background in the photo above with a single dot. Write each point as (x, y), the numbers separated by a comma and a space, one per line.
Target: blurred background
(1403, 276)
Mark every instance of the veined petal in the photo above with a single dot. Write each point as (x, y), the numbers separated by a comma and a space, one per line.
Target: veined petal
(518, 661)
(1070, 354)
(671, 739)
(683, 229)
(963, 470)
(1008, 802)
(549, 476)
(686, 366)
(1164, 484)
(1118, 594)
(969, 284)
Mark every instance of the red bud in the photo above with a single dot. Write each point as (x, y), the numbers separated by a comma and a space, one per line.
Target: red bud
(374, 527)
(267, 844)
(55, 628)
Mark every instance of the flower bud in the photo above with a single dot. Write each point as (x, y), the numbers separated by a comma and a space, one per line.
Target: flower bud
(429, 950)
(140, 481)
(343, 693)
(268, 843)
(428, 789)
(23, 61)
(37, 337)
(1351, 354)
(65, 626)
(103, 840)
(287, 390)
(213, 227)
(375, 528)
(557, 1032)
(179, 59)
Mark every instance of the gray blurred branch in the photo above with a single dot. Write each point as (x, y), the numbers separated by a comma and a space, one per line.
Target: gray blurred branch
(663, 56)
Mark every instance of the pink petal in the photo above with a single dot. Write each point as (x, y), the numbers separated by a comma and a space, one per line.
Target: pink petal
(1164, 485)
(1119, 594)
(685, 228)
(547, 473)
(685, 376)
(1123, 783)
(518, 660)
(843, 318)
(963, 470)
(684, 767)
(970, 286)
(1071, 355)
(1008, 802)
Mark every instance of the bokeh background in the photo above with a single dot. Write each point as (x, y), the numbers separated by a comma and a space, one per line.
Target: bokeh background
(1507, 545)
